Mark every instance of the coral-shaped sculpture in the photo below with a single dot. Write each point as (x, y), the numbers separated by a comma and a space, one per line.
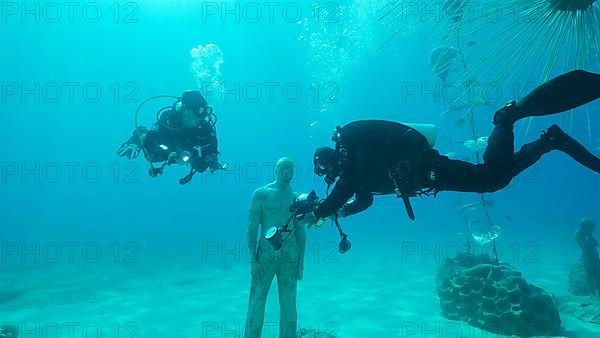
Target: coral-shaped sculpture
(9, 331)
(495, 297)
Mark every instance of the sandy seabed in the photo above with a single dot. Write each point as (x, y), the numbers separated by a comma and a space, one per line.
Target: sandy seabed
(361, 294)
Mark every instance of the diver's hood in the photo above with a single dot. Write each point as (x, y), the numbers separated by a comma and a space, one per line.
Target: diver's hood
(193, 99)
(323, 157)
(325, 163)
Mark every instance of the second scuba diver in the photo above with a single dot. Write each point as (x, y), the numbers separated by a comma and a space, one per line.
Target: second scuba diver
(184, 133)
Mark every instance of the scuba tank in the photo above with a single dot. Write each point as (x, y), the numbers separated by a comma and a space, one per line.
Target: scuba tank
(413, 141)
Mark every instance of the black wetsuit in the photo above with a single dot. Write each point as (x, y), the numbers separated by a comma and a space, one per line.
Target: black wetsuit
(369, 151)
(168, 135)
(382, 157)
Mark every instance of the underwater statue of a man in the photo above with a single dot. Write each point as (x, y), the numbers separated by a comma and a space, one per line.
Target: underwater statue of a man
(270, 208)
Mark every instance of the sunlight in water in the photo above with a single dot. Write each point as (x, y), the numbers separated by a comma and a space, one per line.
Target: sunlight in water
(515, 44)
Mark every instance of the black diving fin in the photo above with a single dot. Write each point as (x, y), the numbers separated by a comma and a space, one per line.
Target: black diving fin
(560, 94)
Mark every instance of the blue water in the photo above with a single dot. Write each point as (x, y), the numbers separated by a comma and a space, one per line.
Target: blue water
(154, 224)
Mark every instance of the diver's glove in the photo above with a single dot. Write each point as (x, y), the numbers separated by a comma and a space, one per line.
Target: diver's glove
(212, 162)
(209, 161)
(311, 220)
(132, 147)
(181, 157)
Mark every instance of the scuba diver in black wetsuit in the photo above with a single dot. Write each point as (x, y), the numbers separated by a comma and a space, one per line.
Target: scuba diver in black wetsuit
(382, 157)
(184, 133)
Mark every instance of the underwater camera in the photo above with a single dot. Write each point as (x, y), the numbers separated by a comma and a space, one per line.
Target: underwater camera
(302, 205)
(275, 237)
(345, 244)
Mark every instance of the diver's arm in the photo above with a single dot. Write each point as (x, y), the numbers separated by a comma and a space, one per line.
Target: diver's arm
(134, 145)
(206, 154)
(212, 143)
(362, 202)
(341, 193)
(254, 216)
(156, 146)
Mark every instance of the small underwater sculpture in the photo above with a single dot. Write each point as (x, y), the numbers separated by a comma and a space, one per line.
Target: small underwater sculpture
(478, 144)
(584, 277)
(441, 60)
(484, 236)
(9, 331)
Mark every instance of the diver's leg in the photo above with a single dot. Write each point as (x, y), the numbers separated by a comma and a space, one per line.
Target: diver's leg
(554, 139)
(560, 94)
(287, 284)
(444, 174)
(529, 154)
(559, 140)
(493, 175)
(262, 276)
(501, 146)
